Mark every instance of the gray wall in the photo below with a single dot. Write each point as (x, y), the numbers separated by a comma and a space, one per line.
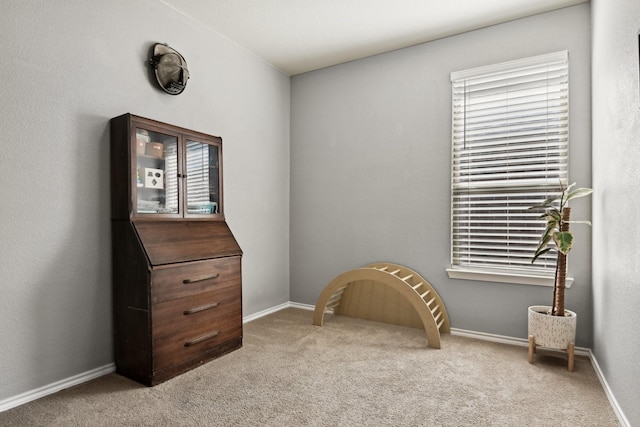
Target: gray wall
(67, 67)
(370, 168)
(616, 181)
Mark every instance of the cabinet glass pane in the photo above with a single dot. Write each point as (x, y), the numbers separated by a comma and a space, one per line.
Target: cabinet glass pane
(203, 187)
(156, 173)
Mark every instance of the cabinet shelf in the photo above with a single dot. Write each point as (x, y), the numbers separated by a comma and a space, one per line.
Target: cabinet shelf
(146, 156)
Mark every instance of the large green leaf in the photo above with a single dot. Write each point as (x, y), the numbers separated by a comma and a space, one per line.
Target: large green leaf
(564, 241)
(544, 242)
(553, 207)
(553, 216)
(540, 252)
(579, 222)
(547, 203)
(579, 192)
(548, 233)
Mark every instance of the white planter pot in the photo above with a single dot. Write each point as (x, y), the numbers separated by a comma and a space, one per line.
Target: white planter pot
(552, 331)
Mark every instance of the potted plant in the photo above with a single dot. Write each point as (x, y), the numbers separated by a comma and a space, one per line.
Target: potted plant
(554, 326)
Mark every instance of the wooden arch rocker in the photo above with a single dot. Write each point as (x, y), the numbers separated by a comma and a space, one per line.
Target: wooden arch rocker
(389, 293)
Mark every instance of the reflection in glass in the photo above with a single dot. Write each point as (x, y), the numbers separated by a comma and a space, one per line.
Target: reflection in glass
(156, 172)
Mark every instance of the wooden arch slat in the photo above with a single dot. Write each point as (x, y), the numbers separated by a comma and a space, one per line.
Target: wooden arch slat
(388, 293)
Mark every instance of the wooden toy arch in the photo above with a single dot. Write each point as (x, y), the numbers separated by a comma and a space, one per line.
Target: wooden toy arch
(388, 293)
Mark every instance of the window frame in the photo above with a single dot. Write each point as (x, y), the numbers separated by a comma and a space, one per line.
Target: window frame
(521, 274)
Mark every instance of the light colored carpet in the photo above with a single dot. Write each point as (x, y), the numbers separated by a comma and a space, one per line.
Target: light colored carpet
(349, 372)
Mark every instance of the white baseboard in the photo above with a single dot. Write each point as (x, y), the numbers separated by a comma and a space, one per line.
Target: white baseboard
(266, 312)
(580, 351)
(55, 387)
(302, 306)
(282, 306)
(607, 390)
(38, 393)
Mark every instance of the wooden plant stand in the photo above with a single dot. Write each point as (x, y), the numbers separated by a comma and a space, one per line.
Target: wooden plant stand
(570, 352)
(388, 293)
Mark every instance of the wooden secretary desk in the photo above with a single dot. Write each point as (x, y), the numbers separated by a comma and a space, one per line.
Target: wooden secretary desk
(177, 284)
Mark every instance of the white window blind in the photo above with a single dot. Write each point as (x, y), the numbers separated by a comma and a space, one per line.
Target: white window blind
(197, 174)
(171, 176)
(202, 177)
(510, 145)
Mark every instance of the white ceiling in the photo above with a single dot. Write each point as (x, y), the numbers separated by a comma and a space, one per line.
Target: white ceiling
(304, 35)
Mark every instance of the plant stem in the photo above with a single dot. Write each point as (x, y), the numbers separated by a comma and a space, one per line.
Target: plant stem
(555, 290)
(561, 272)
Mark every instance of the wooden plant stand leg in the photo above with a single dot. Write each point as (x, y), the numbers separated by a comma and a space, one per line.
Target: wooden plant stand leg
(532, 348)
(570, 352)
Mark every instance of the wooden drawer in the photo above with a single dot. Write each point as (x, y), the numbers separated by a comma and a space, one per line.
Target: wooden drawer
(185, 328)
(181, 280)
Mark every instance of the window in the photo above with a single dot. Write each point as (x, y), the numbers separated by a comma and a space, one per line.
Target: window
(509, 151)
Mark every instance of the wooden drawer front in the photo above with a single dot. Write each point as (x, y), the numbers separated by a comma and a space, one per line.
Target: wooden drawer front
(190, 279)
(187, 327)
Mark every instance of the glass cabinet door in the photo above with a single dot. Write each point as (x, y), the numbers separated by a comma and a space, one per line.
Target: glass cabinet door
(202, 178)
(156, 168)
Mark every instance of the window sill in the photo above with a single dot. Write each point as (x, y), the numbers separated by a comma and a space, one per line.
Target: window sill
(502, 277)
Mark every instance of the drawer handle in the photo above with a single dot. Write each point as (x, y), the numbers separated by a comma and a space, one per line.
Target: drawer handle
(201, 308)
(201, 338)
(201, 279)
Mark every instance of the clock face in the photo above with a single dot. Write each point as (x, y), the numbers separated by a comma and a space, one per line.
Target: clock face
(170, 68)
